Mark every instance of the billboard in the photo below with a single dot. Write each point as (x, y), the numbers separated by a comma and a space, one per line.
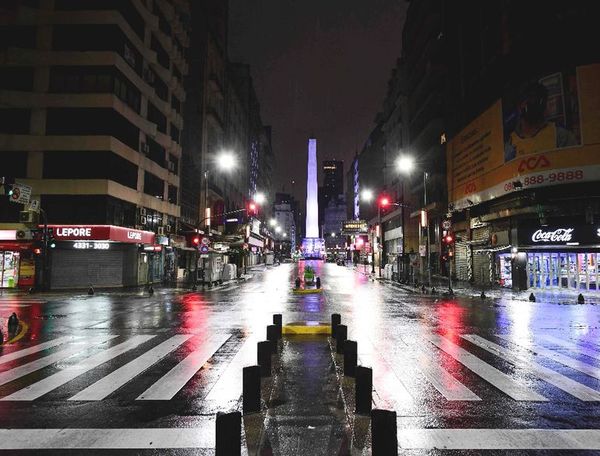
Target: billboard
(547, 133)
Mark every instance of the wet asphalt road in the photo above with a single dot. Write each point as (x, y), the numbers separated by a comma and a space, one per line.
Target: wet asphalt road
(127, 361)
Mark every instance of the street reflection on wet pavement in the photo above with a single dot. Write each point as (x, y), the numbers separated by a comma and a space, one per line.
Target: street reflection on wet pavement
(445, 365)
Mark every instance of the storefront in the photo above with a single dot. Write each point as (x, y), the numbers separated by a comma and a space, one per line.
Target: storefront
(561, 256)
(17, 260)
(102, 256)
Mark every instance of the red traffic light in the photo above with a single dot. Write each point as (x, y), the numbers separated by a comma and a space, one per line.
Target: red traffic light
(384, 201)
(449, 239)
(252, 208)
(196, 240)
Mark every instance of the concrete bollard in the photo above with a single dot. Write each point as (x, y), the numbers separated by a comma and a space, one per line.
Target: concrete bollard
(336, 319)
(273, 336)
(384, 433)
(265, 350)
(229, 434)
(350, 358)
(251, 389)
(580, 299)
(340, 338)
(363, 390)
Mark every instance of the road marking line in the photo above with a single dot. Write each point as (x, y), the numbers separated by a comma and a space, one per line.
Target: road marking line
(573, 363)
(7, 305)
(562, 382)
(202, 436)
(25, 369)
(499, 439)
(52, 382)
(571, 346)
(35, 349)
(489, 373)
(116, 379)
(386, 383)
(228, 388)
(174, 380)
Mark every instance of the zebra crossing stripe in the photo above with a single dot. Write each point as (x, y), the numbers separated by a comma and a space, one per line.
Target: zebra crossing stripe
(172, 382)
(52, 382)
(25, 369)
(499, 439)
(571, 346)
(573, 363)
(442, 380)
(228, 388)
(489, 373)
(562, 382)
(386, 383)
(35, 349)
(116, 379)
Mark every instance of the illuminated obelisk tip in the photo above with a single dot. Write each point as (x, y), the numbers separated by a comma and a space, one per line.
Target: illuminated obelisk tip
(312, 203)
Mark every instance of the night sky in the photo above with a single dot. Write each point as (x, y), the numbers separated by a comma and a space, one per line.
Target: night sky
(320, 67)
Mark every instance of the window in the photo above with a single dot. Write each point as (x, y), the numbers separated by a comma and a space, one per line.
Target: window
(175, 133)
(157, 117)
(176, 104)
(18, 36)
(15, 121)
(156, 152)
(161, 55)
(161, 89)
(175, 166)
(153, 185)
(16, 78)
(173, 194)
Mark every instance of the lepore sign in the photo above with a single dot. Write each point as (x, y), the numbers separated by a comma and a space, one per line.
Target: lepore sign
(563, 235)
(101, 233)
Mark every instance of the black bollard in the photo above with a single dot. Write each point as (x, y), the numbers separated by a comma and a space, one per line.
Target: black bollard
(482, 296)
(151, 290)
(433, 291)
(251, 389)
(580, 299)
(318, 282)
(350, 358)
(273, 336)
(278, 321)
(336, 319)
(384, 433)
(532, 297)
(13, 322)
(91, 290)
(297, 282)
(229, 434)
(265, 349)
(363, 390)
(340, 338)
(1, 337)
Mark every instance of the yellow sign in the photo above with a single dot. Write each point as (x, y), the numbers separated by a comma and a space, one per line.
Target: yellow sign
(549, 134)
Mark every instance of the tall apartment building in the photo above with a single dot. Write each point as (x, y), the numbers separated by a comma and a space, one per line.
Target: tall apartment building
(91, 96)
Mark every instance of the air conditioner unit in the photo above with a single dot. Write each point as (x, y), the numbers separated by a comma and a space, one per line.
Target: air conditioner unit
(142, 219)
(168, 228)
(161, 230)
(171, 166)
(143, 211)
(145, 148)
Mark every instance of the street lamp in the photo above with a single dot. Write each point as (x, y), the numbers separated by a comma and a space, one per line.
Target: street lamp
(278, 229)
(272, 222)
(366, 195)
(260, 198)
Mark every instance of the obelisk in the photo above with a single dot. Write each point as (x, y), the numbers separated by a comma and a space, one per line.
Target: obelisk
(312, 245)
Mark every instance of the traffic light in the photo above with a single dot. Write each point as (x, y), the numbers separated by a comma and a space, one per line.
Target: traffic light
(8, 185)
(52, 243)
(448, 246)
(384, 201)
(196, 240)
(252, 209)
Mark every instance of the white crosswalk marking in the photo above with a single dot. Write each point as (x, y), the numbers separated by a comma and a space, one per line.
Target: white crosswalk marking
(489, 373)
(52, 382)
(229, 386)
(170, 383)
(35, 349)
(571, 346)
(573, 363)
(129, 371)
(569, 386)
(25, 369)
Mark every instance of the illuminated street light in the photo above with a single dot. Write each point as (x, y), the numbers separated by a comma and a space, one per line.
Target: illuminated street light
(284, 235)
(332, 234)
(226, 161)
(260, 198)
(366, 195)
(272, 222)
(405, 164)
(278, 229)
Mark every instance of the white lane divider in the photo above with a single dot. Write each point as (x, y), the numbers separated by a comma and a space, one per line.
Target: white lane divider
(52, 382)
(123, 375)
(562, 382)
(571, 346)
(36, 348)
(174, 380)
(573, 363)
(489, 373)
(28, 368)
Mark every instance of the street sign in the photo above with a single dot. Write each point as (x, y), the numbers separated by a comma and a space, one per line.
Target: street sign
(34, 205)
(446, 224)
(205, 241)
(21, 194)
(204, 249)
(204, 256)
(423, 250)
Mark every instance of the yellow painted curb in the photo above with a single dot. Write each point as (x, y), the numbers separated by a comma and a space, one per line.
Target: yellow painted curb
(307, 290)
(24, 327)
(309, 327)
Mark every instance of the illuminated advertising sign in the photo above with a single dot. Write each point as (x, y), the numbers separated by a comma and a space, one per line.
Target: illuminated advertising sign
(101, 233)
(559, 235)
(547, 133)
(354, 227)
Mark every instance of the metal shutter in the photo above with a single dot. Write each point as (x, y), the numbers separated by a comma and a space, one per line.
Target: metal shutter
(462, 259)
(80, 268)
(481, 259)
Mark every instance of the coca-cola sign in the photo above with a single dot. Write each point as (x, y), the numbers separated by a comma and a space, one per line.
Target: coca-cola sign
(558, 235)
